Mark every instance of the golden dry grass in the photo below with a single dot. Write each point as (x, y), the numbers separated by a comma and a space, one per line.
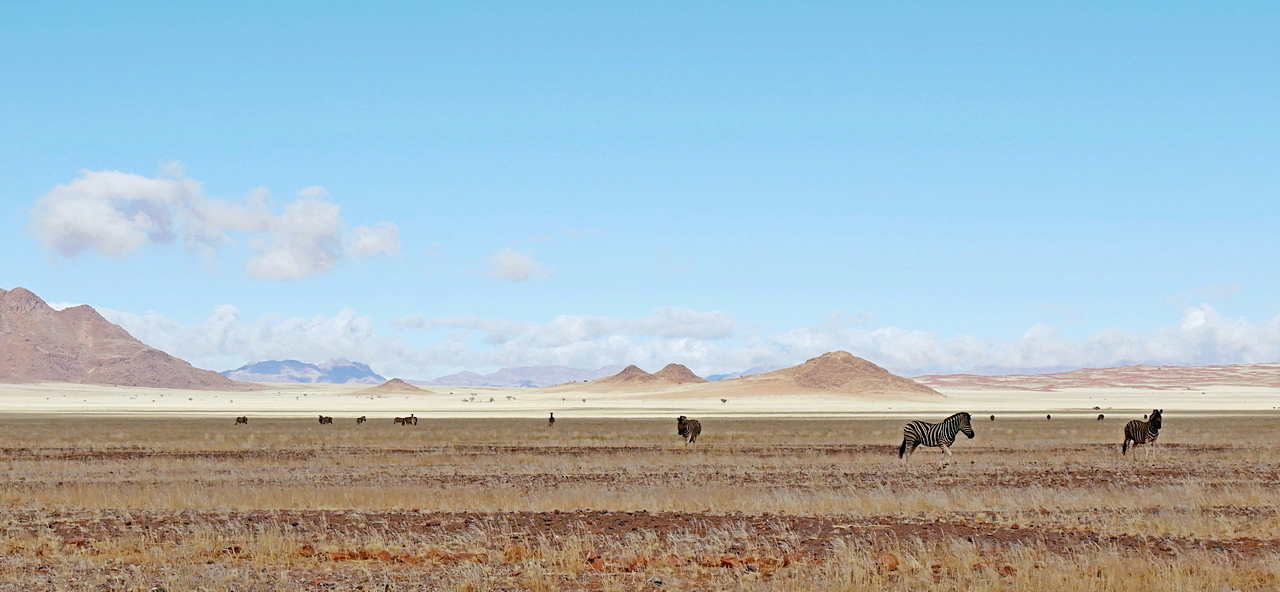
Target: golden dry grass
(188, 504)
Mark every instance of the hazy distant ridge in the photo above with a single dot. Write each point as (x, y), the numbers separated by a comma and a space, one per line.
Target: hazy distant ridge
(335, 371)
(522, 377)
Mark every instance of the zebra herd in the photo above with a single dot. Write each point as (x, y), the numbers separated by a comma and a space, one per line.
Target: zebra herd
(943, 435)
(915, 434)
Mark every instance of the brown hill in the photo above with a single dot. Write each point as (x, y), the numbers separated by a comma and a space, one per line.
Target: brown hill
(40, 344)
(630, 374)
(395, 386)
(837, 372)
(678, 373)
(1137, 377)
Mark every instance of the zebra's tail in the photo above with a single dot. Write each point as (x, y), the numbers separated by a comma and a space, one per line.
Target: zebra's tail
(902, 450)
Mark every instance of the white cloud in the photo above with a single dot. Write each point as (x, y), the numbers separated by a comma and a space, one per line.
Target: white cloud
(1202, 336)
(673, 322)
(116, 214)
(1214, 293)
(515, 266)
(224, 341)
(366, 241)
(708, 342)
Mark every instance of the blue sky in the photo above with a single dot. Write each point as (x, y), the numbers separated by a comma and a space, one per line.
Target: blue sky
(930, 186)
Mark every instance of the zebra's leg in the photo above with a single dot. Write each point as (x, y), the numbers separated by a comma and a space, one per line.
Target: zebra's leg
(946, 454)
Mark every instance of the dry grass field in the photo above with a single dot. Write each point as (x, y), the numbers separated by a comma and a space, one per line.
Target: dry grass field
(94, 503)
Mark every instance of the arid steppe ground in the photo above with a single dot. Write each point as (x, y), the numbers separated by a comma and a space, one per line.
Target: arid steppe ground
(99, 503)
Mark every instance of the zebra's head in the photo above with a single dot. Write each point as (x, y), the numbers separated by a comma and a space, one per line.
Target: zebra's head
(1155, 418)
(966, 425)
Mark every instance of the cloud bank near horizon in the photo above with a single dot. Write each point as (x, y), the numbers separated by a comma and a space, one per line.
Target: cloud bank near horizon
(116, 214)
(709, 342)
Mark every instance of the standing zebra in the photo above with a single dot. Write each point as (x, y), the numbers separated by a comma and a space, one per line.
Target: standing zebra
(551, 421)
(689, 428)
(920, 433)
(1142, 432)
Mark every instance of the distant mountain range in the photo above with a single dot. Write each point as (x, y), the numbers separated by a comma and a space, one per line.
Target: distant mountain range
(834, 373)
(1140, 376)
(340, 371)
(335, 371)
(522, 377)
(752, 371)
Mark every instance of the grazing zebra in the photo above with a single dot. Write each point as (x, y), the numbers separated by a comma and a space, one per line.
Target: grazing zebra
(552, 420)
(920, 433)
(689, 428)
(1101, 417)
(1142, 432)
(242, 419)
(325, 419)
(361, 419)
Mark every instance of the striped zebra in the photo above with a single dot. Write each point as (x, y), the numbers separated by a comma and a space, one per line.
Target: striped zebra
(1142, 432)
(242, 420)
(689, 428)
(920, 433)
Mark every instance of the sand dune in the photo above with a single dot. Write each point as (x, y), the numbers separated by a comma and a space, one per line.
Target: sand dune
(395, 386)
(833, 373)
(838, 372)
(1139, 376)
(679, 374)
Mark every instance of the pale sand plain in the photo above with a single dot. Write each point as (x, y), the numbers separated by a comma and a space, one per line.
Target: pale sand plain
(343, 401)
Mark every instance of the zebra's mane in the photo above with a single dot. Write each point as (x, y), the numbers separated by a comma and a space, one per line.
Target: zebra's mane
(954, 415)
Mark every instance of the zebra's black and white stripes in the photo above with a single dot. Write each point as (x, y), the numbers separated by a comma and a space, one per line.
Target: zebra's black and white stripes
(1142, 432)
(922, 433)
(689, 428)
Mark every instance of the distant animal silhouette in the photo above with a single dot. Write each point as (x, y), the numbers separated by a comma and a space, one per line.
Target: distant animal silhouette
(1048, 417)
(993, 418)
(1143, 432)
(242, 419)
(361, 419)
(724, 400)
(551, 420)
(936, 435)
(689, 428)
(401, 421)
(1101, 417)
(325, 419)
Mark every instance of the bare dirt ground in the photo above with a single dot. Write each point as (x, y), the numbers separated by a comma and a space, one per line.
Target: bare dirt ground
(611, 504)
